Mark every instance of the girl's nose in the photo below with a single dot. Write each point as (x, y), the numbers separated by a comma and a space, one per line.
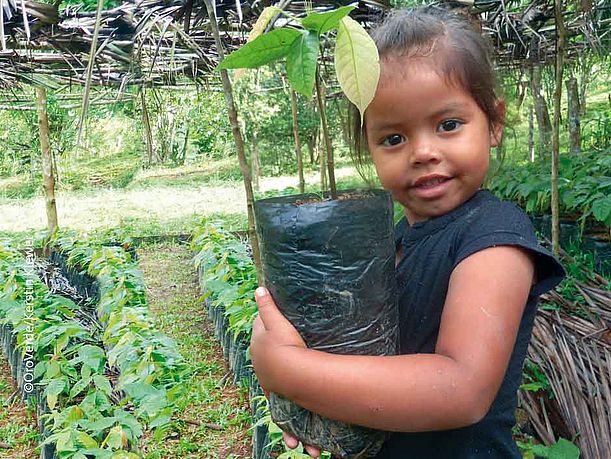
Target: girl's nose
(424, 152)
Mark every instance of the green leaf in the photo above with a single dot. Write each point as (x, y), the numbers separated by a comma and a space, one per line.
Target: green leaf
(40, 369)
(86, 440)
(323, 22)
(357, 63)
(533, 387)
(264, 49)
(113, 439)
(301, 63)
(124, 455)
(102, 424)
(79, 386)
(153, 404)
(140, 390)
(64, 442)
(52, 370)
(601, 209)
(55, 387)
(91, 356)
(564, 449)
(102, 383)
(160, 421)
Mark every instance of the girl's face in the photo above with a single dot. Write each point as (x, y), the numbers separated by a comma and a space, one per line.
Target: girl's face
(429, 140)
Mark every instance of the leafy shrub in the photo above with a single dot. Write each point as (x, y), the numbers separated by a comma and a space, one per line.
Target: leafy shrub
(584, 187)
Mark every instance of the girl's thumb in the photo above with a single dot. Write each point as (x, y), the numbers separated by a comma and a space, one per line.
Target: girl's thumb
(267, 307)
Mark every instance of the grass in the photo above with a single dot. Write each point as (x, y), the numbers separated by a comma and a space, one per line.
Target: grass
(157, 202)
(213, 417)
(189, 176)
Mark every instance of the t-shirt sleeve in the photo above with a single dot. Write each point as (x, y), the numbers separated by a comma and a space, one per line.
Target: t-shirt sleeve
(504, 223)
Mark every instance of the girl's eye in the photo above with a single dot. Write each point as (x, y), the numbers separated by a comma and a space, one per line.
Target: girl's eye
(449, 125)
(392, 140)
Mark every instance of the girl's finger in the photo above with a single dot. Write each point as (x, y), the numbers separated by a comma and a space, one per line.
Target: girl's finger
(290, 440)
(312, 451)
(268, 311)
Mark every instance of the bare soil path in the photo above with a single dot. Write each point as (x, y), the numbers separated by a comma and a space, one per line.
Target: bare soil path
(18, 429)
(214, 417)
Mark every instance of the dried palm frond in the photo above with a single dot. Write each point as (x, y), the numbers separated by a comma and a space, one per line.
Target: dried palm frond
(572, 346)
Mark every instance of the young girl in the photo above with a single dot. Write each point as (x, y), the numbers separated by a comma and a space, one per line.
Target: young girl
(469, 268)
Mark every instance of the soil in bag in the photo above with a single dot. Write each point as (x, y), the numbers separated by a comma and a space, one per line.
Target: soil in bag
(329, 264)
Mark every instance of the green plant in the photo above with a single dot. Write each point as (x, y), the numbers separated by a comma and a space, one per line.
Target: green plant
(584, 187)
(228, 279)
(102, 383)
(562, 449)
(356, 59)
(355, 53)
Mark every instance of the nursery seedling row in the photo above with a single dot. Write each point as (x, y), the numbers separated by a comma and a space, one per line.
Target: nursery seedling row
(97, 392)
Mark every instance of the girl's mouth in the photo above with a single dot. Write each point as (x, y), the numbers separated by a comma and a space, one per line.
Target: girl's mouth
(432, 186)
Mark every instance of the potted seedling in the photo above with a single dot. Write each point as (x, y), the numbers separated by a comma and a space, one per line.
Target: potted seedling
(328, 259)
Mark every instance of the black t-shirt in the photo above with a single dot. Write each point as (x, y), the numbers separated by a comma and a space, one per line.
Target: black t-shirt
(430, 252)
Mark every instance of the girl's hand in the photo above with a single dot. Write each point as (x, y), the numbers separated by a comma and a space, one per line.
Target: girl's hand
(272, 336)
(292, 442)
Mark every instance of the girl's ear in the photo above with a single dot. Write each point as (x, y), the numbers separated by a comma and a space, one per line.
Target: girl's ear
(496, 130)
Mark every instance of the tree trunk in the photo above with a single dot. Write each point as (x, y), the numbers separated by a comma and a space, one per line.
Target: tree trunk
(556, 138)
(311, 143)
(320, 96)
(321, 161)
(344, 122)
(237, 135)
(297, 142)
(255, 161)
(47, 160)
(531, 134)
(500, 152)
(185, 144)
(585, 64)
(146, 124)
(572, 93)
(522, 89)
(543, 122)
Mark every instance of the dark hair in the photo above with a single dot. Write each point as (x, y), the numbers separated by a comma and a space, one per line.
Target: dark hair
(459, 52)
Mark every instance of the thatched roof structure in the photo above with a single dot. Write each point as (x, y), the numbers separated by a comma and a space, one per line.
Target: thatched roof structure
(141, 42)
(153, 42)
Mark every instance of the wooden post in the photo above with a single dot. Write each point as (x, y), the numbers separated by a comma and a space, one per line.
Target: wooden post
(320, 96)
(47, 160)
(297, 141)
(572, 94)
(531, 134)
(239, 142)
(321, 160)
(256, 167)
(556, 132)
(543, 122)
(146, 124)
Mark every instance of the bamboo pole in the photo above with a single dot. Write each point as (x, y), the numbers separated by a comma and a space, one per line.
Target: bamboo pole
(297, 141)
(47, 160)
(88, 77)
(239, 142)
(146, 124)
(327, 138)
(556, 131)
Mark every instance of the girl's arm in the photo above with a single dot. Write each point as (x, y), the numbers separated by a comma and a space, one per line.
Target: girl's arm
(449, 389)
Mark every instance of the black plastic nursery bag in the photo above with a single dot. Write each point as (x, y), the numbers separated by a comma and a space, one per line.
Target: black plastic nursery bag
(329, 264)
